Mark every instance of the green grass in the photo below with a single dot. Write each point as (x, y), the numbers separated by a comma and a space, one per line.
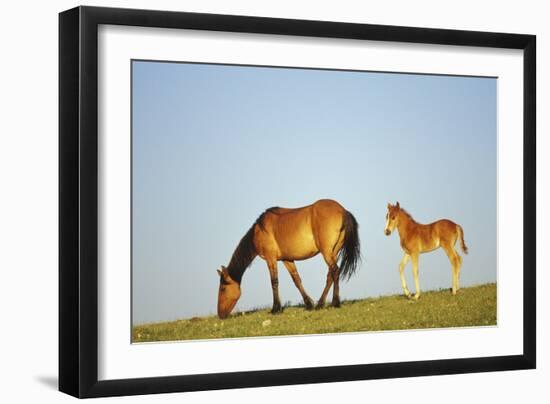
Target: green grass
(473, 306)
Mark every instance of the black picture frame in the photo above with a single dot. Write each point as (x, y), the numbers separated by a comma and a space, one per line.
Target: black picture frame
(78, 201)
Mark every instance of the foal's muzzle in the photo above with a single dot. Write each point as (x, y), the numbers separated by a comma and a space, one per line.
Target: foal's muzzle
(387, 231)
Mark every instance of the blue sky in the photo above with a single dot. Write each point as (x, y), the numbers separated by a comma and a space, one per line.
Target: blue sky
(215, 145)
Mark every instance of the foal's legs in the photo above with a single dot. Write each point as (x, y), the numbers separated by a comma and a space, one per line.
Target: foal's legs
(402, 265)
(458, 271)
(456, 262)
(273, 273)
(415, 275)
(291, 267)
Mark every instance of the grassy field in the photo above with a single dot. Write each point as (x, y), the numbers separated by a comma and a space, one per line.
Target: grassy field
(473, 306)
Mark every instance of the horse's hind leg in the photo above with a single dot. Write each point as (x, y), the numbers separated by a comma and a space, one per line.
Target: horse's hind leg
(336, 288)
(458, 266)
(291, 267)
(333, 277)
(415, 275)
(330, 240)
(328, 284)
(456, 262)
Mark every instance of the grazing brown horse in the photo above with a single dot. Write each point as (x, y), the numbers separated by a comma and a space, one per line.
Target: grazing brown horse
(289, 235)
(419, 238)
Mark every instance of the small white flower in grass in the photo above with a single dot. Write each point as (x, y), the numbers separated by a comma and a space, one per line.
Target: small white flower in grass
(266, 323)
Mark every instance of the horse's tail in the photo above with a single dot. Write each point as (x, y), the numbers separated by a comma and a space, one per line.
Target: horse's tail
(461, 235)
(350, 254)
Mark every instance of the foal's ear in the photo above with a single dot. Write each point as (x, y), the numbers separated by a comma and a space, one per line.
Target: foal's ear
(389, 205)
(219, 272)
(397, 205)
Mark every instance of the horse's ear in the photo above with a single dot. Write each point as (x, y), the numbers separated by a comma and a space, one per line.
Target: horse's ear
(389, 205)
(224, 270)
(397, 205)
(219, 272)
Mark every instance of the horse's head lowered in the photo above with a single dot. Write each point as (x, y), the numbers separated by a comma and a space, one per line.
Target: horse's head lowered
(228, 294)
(391, 218)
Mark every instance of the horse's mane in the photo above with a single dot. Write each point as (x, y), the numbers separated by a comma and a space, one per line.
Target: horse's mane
(407, 214)
(245, 252)
(260, 220)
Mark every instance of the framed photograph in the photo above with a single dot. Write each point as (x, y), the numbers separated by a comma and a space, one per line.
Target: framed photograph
(249, 201)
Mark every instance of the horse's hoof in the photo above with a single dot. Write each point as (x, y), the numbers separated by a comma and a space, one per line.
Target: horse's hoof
(416, 297)
(277, 310)
(336, 304)
(319, 306)
(309, 304)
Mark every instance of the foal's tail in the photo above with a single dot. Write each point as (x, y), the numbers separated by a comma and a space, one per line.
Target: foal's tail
(461, 235)
(350, 253)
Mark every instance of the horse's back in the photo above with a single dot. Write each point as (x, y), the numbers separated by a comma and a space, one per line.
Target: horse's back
(445, 225)
(287, 217)
(299, 233)
(328, 206)
(446, 230)
(287, 234)
(328, 214)
(323, 209)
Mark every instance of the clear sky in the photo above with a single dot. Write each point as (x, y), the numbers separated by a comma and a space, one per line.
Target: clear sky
(215, 145)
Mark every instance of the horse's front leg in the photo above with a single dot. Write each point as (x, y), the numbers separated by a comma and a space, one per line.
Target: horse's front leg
(273, 273)
(402, 266)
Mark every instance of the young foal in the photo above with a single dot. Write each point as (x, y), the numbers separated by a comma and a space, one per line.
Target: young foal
(419, 238)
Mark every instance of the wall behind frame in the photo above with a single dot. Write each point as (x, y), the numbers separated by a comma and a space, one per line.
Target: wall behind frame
(28, 207)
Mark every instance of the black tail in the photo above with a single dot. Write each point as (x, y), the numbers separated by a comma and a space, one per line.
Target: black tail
(350, 254)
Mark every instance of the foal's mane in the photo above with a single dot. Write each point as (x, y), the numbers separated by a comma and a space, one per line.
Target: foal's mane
(245, 252)
(407, 214)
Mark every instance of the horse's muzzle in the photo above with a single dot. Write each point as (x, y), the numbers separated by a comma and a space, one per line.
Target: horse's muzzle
(387, 232)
